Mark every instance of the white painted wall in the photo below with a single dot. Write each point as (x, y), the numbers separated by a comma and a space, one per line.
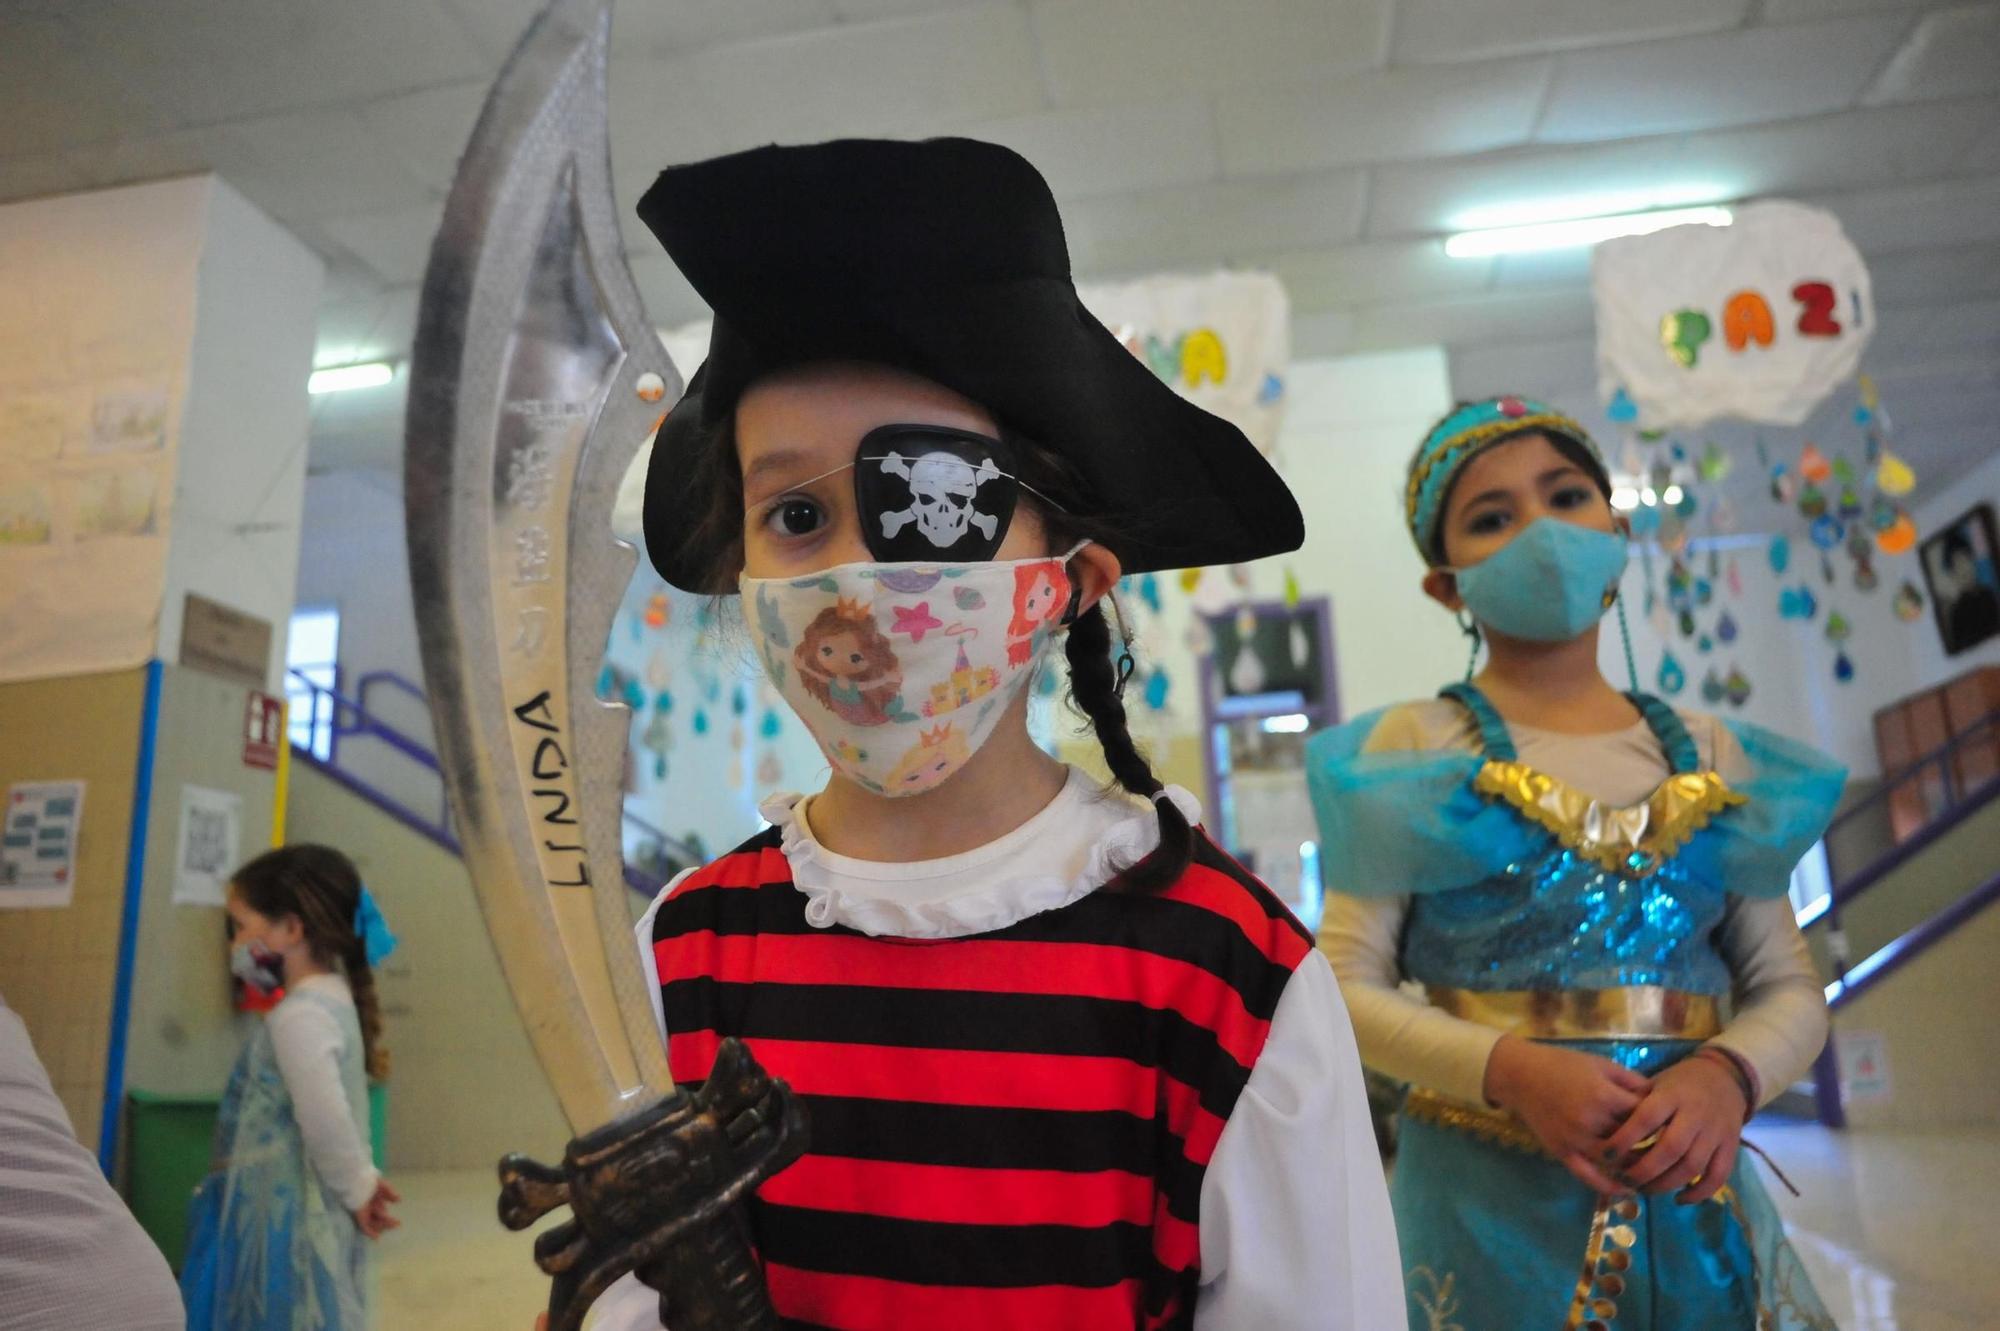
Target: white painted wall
(242, 466)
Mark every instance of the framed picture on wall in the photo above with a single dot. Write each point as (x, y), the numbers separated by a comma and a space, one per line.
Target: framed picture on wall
(1963, 577)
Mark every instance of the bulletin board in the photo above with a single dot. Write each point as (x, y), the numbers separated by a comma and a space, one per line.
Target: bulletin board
(58, 967)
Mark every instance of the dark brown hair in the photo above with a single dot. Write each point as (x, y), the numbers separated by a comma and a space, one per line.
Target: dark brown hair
(322, 887)
(1096, 674)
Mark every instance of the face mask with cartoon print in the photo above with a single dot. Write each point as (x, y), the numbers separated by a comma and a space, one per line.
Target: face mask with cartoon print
(902, 671)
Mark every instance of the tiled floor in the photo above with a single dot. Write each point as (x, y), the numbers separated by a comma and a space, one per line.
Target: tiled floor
(1893, 1227)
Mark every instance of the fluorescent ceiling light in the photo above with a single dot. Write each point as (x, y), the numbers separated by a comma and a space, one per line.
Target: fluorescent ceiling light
(1296, 723)
(1565, 208)
(1577, 232)
(340, 378)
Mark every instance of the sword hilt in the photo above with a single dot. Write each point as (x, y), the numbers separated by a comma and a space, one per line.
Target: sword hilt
(658, 1193)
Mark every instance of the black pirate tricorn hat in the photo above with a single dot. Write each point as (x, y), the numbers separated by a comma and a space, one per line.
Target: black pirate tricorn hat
(946, 258)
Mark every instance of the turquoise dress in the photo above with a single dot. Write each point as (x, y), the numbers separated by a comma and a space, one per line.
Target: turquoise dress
(1591, 921)
(269, 1247)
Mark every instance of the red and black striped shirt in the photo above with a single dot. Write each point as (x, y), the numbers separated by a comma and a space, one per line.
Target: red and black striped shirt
(1008, 1130)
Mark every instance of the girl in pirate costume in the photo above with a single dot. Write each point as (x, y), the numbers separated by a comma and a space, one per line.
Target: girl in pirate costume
(1581, 879)
(1066, 1064)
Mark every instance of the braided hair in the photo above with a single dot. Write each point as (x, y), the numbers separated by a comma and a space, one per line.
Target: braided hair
(322, 887)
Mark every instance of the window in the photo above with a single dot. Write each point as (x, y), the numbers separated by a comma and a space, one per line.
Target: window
(312, 651)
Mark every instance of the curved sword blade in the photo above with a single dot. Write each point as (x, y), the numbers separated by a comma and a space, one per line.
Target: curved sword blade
(524, 413)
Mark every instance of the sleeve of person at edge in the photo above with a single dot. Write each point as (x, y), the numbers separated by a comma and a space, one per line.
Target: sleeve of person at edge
(62, 1228)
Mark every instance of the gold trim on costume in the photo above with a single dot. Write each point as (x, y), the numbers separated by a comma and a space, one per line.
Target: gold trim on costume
(1581, 1305)
(1629, 1012)
(1496, 1126)
(1633, 840)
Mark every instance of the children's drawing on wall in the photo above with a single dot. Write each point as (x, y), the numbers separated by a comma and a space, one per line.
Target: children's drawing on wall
(1964, 581)
(210, 845)
(116, 502)
(129, 419)
(25, 515)
(33, 427)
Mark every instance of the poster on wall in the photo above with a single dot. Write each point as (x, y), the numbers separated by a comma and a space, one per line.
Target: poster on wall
(211, 836)
(1963, 574)
(38, 844)
(94, 342)
(1758, 320)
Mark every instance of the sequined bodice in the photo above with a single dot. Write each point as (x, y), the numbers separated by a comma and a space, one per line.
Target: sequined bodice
(1562, 920)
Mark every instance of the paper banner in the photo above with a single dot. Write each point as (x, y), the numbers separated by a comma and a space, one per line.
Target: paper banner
(1222, 341)
(1758, 320)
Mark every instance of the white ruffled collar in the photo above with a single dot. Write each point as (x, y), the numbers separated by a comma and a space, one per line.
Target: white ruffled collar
(861, 894)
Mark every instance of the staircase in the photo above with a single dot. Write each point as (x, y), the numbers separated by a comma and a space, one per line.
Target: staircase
(347, 739)
(1905, 901)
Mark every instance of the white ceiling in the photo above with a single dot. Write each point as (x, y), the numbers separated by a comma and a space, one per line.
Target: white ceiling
(1331, 141)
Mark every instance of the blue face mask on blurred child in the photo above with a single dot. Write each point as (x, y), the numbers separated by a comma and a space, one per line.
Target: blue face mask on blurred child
(1548, 584)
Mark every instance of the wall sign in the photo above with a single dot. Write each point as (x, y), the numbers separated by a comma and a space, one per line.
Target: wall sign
(225, 641)
(1758, 320)
(263, 730)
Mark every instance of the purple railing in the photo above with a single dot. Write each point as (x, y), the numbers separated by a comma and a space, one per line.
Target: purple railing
(340, 720)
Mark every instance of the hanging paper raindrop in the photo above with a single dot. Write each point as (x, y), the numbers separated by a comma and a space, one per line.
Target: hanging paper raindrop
(1813, 465)
(1780, 553)
(1908, 602)
(770, 769)
(1671, 678)
(1725, 628)
(739, 702)
(1737, 686)
(1893, 476)
(701, 720)
(1712, 691)
(1734, 578)
(1246, 675)
(1291, 589)
(1900, 536)
(1826, 531)
(1837, 627)
(1843, 669)
(1157, 687)
(1850, 503)
(1812, 502)
(1704, 644)
(1686, 622)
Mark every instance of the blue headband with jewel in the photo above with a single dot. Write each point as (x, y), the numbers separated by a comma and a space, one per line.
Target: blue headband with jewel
(1468, 432)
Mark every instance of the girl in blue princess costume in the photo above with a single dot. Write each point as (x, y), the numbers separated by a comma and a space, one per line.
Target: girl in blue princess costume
(1590, 887)
(276, 1230)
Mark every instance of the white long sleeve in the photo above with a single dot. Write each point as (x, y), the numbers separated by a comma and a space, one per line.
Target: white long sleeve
(1296, 1230)
(1780, 1021)
(308, 1042)
(1399, 1035)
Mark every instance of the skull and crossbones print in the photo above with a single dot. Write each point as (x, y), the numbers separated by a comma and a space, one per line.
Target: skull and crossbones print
(929, 493)
(944, 497)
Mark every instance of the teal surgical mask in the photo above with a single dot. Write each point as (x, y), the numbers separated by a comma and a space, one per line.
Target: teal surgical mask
(1548, 584)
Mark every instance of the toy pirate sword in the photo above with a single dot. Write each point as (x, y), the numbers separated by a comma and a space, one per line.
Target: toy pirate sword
(535, 377)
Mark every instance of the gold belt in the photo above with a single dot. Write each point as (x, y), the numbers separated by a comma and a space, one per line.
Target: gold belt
(1631, 1012)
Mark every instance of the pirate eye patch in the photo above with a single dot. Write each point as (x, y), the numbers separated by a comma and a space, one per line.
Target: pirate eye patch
(933, 494)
